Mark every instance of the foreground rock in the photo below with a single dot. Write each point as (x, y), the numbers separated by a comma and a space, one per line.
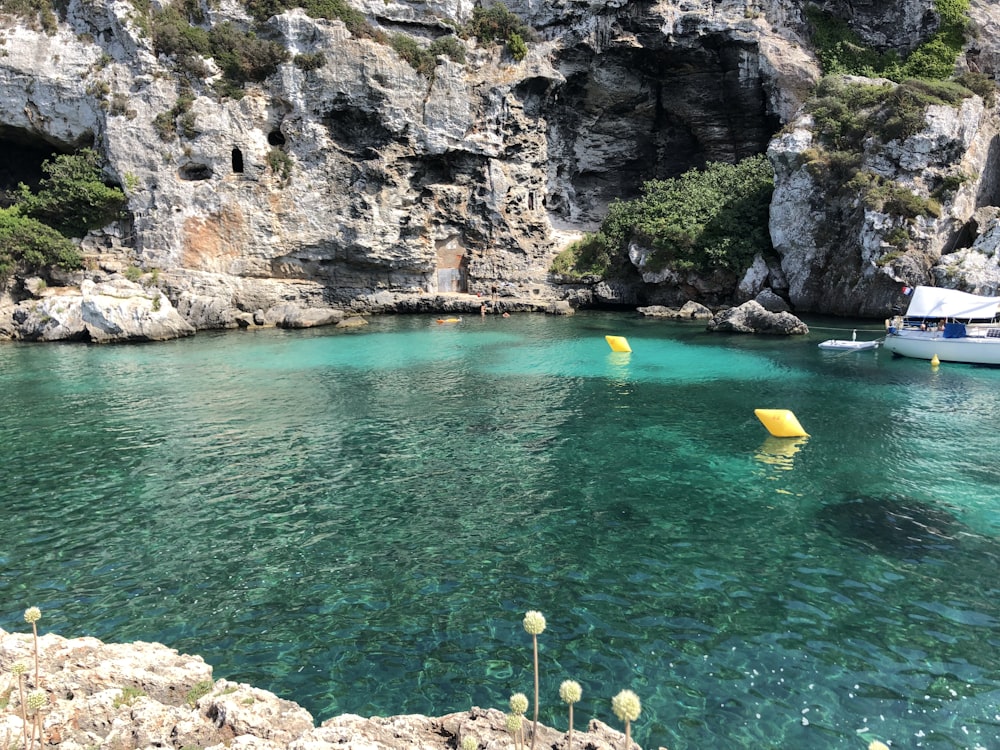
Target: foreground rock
(106, 312)
(752, 317)
(102, 696)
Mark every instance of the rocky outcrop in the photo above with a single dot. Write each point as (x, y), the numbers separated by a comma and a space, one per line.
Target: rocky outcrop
(113, 311)
(751, 317)
(101, 696)
(839, 255)
(688, 311)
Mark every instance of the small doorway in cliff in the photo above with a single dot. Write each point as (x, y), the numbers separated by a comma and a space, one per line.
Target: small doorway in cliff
(237, 161)
(452, 267)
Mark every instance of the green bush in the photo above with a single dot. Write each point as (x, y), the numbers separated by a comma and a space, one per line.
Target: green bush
(841, 50)
(705, 221)
(280, 163)
(240, 55)
(589, 256)
(28, 244)
(981, 84)
(310, 61)
(73, 197)
(419, 58)
(496, 24)
(517, 46)
(449, 46)
(38, 13)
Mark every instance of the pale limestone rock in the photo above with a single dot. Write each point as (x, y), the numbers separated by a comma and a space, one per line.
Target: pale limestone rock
(88, 708)
(122, 311)
(834, 250)
(751, 317)
(393, 175)
(690, 310)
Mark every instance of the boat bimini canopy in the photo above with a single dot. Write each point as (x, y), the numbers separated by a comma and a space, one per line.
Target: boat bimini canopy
(932, 302)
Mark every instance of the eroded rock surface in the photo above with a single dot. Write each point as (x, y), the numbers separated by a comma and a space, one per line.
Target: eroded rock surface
(103, 696)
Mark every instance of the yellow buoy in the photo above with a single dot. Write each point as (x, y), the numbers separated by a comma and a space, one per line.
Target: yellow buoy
(935, 361)
(618, 343)
(780, 422)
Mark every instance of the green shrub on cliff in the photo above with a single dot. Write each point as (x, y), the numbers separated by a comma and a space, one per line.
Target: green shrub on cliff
(704, 221)
(240, 54)
(841, 50)
(73, 197)
(29, 245)
(849, 116)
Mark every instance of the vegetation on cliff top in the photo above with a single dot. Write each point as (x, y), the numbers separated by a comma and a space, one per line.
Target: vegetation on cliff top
(852, 117)
(704, 221)
(841, 50)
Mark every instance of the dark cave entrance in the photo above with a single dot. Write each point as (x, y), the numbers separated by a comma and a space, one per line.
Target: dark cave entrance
(630, 115)
(21, 157)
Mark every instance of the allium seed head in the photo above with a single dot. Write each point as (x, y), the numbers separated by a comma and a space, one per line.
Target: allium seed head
(626, 706)
(519, 703)
(37, 699)
(534, 622)
(514, 722)
(876, 745)
(469, 742)
(570, 691)
(19, 667)
(32, 614)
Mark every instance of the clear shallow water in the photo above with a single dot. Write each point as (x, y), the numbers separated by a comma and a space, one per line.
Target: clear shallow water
(358, 522)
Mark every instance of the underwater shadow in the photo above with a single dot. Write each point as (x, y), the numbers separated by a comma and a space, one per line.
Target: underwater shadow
(894, 525)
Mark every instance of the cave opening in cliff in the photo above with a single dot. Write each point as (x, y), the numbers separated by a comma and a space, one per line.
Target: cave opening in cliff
(629, 115)
(21, 161)
(275, 138)
(237, 161)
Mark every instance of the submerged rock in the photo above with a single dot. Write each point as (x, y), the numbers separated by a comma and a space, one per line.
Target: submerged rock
(893, 525)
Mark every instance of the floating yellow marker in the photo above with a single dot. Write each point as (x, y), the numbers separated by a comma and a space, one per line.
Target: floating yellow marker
(618, 343)
(780, 422)
(935, 361)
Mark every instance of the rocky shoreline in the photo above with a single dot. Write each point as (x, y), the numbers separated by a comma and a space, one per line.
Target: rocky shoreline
(111, 308)
(106, 696)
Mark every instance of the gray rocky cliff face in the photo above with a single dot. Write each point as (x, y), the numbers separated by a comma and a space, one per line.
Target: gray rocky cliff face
(396, 183)
(364, 185)
(836, 254)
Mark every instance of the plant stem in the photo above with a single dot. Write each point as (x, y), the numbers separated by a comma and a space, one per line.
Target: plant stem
(569, 743)
(534, 726)
(628, 735)
(34, 632)
(24, 709)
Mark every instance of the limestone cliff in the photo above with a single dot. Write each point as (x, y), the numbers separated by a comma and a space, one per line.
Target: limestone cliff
(364, 184)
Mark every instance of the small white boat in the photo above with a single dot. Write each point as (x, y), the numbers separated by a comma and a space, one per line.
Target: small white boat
(949, 326)
(852, 345)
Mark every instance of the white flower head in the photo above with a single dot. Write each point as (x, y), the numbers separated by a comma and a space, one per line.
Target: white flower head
(519, 703)
(626, 706)
(32, 614)
(514, 722)
(534, 622)
(570, 691)
(19, 668)
(37, 699)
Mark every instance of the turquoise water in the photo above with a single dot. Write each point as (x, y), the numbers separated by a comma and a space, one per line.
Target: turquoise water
(358, 522)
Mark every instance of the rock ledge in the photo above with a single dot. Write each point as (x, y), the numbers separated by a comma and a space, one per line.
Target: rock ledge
(103, 696)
